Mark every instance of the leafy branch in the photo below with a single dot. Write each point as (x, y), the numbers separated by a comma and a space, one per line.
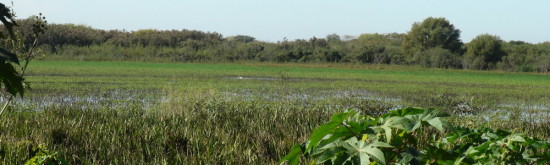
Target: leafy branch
(12, 80)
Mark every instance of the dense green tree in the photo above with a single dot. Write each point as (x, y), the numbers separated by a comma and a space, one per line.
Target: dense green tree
(525, 57)
(432, 33)
(80, 35)
(370, 39)
(333, 38)
(437, 58)
(377, 48)
(241, 38)
(318, 42)
(483, 52)
(520, 56)
(543, 62)
(391, 39)
(431, 43)
(366, 54)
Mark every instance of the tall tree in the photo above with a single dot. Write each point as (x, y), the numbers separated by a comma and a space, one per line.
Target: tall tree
(242, 38)
(432, 33)
(483, 52)
(333, 38)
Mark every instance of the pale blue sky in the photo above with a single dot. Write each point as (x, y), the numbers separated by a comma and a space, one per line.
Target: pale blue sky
(271, 20)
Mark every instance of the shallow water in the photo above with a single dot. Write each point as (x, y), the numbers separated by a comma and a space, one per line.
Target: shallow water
(255, 78)
(113, 98)
(147, 99)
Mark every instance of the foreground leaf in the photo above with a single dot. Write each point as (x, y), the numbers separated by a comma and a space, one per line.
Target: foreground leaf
(11, 79)
(319, 134)
(293, 156)
(7, 56)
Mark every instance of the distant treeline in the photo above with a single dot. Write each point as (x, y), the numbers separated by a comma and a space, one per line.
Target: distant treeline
(431, 43)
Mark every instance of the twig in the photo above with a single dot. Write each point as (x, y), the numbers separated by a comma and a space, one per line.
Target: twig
(6, 105)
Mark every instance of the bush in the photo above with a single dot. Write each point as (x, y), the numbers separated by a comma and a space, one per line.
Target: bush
(483, 52)
(414, 136)
(437, 58)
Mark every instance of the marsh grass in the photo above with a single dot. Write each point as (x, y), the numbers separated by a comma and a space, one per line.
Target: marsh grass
(192, 127)
(147, 113)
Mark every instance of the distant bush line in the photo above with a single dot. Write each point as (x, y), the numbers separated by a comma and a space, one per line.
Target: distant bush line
(432, 43)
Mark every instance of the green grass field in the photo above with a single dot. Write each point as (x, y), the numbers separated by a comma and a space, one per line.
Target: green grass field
(247, 113)
(384, 81)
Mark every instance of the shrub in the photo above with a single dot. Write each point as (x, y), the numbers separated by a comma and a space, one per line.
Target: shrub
(413, 136)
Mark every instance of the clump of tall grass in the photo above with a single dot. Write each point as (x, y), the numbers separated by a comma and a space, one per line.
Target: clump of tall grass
(191, 126)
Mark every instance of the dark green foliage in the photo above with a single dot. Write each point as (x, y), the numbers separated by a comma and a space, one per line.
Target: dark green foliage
(437, 58)
(525, 57)
(7, 19)
(483, 52)
(7, 56)
(350, 138)
(432, 33)
(434, 42)
(485, 146)
(9, 77)
(241, 38)
(367, 54)
(372, 49)
(334, 38)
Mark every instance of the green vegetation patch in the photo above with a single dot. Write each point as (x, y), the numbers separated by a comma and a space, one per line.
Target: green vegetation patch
(248, 113)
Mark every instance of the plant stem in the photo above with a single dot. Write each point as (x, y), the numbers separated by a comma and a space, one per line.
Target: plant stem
(28, 58)
(6, 105)
(349, 129)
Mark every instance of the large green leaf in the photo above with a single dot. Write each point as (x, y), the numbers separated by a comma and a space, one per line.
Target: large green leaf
(404, 112)
(416, 121)
(459, 160)
(364, 150)
(338, 133)
(438, 123)
(383, 129)
(336, 144)
(406, 159)
(341, 159)
(379, 144)
(365, 159)
(393, 122)
(328, 155)
(11, 79)
(429, 116)
(7, 20)
(294, 155)
(388, 132)
(339, 117)
(7, 56)
(328, 131)
(319, 133)
(376, 153)
(329, 152)
(517, 138)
